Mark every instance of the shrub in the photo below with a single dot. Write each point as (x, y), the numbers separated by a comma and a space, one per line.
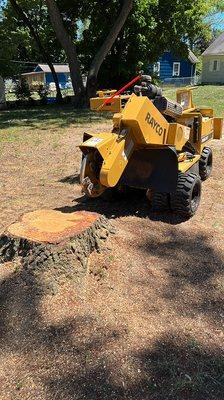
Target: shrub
(22, 90)
(43, 92)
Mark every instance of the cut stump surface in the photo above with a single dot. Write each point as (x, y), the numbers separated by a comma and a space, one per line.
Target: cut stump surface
(52, 226)
(52, 243)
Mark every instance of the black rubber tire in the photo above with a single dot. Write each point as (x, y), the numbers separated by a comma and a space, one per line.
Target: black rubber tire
(160, 202)
(205, 163)
(186, 199)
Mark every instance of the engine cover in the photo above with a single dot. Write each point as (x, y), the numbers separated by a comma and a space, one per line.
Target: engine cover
(168, 107)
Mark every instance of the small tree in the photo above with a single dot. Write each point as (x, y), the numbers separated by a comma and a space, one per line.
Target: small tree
(22, 90)
(43, 92)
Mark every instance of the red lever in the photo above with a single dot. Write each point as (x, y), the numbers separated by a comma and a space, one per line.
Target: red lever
(119, 91)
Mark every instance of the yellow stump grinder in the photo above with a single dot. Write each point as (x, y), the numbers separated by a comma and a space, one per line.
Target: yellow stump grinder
(156, 144)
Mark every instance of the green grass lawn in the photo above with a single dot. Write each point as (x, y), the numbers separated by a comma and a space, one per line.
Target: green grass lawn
(11, 96)
(209, 95)
(47, 117)
(42, 118)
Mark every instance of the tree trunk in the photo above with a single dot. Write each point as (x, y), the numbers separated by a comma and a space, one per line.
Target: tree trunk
(2, 94)
(70, 50)
(106, 47)
(37, 39)
(51, 246)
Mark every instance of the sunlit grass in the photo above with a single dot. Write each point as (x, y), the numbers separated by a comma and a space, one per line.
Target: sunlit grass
(208, 96)
(45, 118)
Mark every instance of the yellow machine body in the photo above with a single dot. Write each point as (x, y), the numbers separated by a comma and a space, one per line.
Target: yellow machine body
(114, 106)
(145, 148)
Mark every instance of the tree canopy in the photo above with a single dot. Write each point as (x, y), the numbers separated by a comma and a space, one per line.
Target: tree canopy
(18, 46)
(151, 27)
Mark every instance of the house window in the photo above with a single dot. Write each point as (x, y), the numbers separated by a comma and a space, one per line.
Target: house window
(214, 65)
(156, 68)
(176, 69)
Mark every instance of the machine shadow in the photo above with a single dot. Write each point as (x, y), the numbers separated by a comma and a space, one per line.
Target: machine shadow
(135, 203)
(70, 179)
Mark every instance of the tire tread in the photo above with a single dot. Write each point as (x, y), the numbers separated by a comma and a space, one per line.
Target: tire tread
(160, 202)
(181, 199)
(203, 163)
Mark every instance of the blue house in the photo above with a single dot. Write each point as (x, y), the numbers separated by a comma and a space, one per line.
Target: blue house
(42, 75)
(171, 66)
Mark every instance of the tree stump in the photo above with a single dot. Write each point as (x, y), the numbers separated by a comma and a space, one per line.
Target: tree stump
(50, 244)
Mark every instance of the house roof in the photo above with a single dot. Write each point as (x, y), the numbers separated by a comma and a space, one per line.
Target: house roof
(57, 67)
(33, 73)
(192, 57)
(216, 48)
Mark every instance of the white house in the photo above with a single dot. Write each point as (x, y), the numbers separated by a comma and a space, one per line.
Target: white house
(213, 62)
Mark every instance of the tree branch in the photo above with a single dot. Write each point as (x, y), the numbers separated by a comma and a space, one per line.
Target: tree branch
(37, 39)
(69, 47)
(110, 39)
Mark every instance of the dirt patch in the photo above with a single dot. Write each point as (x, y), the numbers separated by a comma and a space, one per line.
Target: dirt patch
(148, 322)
